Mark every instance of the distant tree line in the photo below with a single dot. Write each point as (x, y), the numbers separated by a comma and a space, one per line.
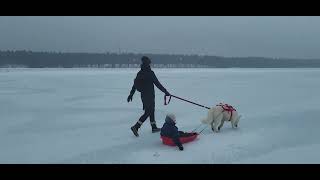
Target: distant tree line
(31, 59)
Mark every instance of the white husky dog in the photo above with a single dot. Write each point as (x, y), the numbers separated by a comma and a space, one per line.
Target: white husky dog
(220, 113)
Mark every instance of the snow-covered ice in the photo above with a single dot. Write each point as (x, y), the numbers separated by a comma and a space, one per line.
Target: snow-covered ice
(82, 116)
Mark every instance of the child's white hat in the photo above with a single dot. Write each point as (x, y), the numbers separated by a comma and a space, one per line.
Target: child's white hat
(172, 116)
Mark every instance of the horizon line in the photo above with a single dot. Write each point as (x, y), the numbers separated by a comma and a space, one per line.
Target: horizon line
(148, 53)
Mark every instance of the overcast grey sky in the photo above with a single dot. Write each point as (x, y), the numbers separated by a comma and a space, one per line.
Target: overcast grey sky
(294, 37)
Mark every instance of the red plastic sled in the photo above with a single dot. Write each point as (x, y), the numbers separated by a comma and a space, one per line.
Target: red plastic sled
(168, 141)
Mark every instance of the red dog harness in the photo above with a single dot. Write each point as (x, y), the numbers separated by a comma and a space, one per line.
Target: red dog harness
(228, 108)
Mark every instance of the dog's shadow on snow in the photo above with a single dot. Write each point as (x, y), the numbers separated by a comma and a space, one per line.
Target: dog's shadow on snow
(223, 130)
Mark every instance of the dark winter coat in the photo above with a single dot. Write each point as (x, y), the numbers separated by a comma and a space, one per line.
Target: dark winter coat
(147, 93)
(169, 129)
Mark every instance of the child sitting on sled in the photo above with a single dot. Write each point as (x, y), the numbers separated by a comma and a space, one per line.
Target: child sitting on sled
(172, 136)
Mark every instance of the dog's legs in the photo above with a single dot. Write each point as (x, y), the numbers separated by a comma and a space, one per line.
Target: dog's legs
(218, 122)
(234, 122)
(221, 125)
(211, 119)
(237, 121)
(212, 125)
(210, 115)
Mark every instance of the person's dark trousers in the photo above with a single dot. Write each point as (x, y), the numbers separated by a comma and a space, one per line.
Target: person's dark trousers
(148, 112)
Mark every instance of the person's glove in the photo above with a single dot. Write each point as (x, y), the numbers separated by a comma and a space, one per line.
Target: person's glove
(167, 93)
(129, 98)
(181, 148)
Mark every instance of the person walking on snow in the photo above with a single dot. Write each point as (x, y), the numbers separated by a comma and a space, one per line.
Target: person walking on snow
(144, 82)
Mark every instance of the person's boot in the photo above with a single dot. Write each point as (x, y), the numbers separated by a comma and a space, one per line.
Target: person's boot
(135, 128)
(155, 128)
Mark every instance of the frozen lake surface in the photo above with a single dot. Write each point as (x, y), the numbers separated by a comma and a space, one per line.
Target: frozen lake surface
(82, 116)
